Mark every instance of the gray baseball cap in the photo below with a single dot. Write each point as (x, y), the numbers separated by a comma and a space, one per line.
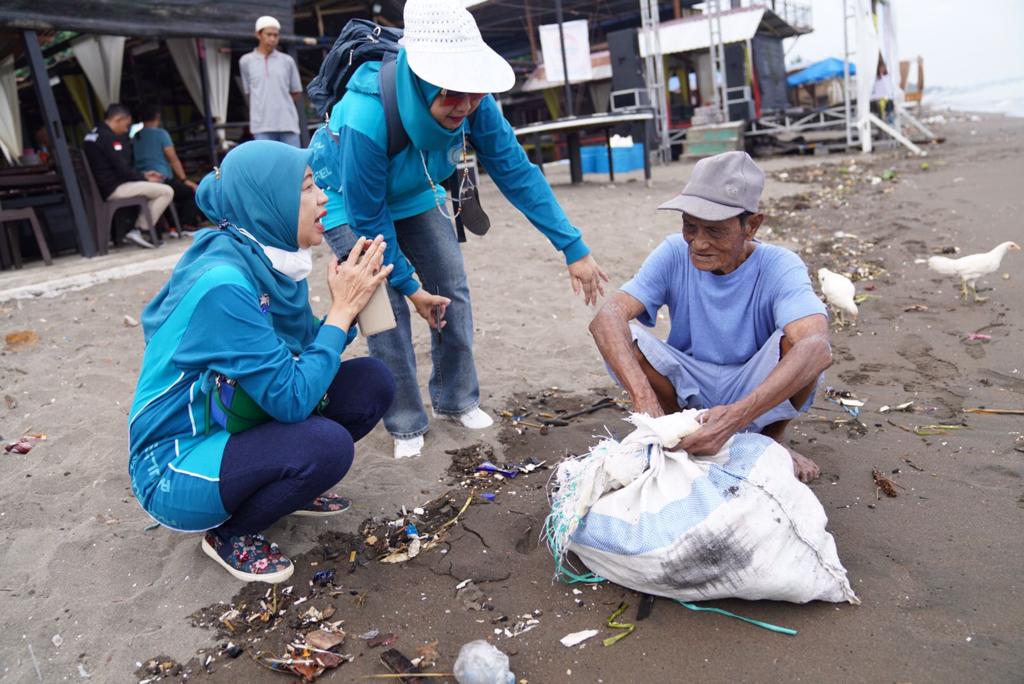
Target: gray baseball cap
(720, 187)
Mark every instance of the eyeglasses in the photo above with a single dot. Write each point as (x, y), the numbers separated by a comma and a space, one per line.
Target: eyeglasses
(450, 98)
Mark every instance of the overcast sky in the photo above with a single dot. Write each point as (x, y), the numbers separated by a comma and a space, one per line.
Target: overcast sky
(962, 42)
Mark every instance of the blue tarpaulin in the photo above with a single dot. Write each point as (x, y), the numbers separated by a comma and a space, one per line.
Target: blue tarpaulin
(819, 71)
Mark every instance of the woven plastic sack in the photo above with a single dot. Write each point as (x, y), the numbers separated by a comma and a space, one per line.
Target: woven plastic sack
(737, 524)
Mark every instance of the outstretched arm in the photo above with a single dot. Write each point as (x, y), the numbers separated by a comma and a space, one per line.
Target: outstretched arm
(610, 329)
(809, 355)
(525, 187)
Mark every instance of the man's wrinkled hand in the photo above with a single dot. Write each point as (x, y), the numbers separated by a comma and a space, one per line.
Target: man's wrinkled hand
(718, 425)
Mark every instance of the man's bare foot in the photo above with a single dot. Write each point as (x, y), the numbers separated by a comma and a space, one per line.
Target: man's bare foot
(804, 468)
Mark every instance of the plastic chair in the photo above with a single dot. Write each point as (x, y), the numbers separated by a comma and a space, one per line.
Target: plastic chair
(102, 210)
(10, 241)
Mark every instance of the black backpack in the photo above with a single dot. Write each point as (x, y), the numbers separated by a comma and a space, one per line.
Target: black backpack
(361, 41)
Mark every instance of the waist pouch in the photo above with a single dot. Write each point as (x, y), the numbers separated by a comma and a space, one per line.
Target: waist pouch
(229, 406)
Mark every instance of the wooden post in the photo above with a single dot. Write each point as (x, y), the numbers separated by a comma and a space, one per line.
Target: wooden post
(86, 242)
(319, 20)
(531, 34)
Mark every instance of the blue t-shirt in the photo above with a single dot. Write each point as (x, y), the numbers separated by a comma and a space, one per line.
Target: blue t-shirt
(723, 319)
(148, 150)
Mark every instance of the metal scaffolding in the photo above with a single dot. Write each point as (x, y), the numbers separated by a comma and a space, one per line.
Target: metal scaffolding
(717, 49)
(654, 73)
(847, 54)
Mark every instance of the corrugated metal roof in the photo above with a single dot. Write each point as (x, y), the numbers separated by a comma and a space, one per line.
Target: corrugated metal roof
(693, 33)
(184, 18)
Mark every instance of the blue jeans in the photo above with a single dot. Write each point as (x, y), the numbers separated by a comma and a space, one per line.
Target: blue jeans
(286, 137)
(428, 241)
(273, 469)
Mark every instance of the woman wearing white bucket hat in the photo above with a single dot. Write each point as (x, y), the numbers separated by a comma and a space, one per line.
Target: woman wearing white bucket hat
(443, 73)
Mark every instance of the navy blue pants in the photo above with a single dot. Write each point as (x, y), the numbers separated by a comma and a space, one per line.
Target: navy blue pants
(274, 469)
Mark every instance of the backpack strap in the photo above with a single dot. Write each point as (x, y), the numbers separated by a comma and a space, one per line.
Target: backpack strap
(398, 139)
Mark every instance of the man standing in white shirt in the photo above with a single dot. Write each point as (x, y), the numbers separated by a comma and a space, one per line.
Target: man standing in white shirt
(271, 82)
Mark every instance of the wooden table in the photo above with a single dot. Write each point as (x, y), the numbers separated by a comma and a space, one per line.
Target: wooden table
(20, 181)
(579, 123)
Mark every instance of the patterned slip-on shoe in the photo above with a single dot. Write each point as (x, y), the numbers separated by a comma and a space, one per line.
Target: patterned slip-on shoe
(250, 558)
(324, 506)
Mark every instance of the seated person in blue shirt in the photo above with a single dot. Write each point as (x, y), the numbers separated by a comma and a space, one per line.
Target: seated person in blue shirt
(154, 150)
(748, 339)
(234, 319)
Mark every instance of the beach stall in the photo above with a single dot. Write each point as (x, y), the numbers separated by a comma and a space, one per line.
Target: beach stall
(73, 58)
(724, 69)
(819, 84)
(640, 62)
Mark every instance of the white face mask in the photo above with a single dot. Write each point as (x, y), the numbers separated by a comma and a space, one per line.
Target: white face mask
(296, 265)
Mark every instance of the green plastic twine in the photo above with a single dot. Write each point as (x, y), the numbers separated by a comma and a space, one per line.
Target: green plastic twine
(757, 623)
(627, 627)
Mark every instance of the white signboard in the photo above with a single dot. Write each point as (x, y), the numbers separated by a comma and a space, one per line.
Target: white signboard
(577, 51)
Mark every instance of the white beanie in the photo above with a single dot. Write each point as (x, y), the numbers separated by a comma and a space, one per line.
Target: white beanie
(267, 22)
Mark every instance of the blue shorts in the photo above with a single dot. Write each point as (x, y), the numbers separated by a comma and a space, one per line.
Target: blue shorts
(702, 384)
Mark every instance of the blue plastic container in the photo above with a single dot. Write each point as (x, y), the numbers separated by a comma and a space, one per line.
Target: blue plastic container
(594, 158)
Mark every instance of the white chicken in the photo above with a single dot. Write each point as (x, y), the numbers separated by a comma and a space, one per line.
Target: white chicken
(839, 293)
(972, 267)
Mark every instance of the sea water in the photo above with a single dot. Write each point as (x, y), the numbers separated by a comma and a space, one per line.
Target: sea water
(997, 97)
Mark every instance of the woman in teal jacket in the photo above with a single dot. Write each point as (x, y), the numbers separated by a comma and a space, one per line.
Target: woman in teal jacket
(442, 72)
(235, 316)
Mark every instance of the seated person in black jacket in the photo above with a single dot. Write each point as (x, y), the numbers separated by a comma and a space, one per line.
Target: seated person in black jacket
(109, 153)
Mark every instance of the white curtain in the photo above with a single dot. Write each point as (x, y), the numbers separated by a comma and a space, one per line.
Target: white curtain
(10, 114)
(101, 58)
(890, 48)
(600, 93)
(218, 71)
(868, 46)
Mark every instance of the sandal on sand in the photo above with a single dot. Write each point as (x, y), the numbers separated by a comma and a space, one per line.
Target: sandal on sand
(250, 558)
(324, 506)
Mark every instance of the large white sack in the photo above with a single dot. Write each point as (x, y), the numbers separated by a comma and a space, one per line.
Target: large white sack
(738, 524)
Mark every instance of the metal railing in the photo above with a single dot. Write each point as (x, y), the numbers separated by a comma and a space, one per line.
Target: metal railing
(796, 14)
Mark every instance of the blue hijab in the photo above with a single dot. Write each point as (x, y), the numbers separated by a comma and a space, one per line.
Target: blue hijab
(414, 99)
(257, 189)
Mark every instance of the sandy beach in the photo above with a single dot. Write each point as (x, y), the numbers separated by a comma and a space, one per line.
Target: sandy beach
(90, 590)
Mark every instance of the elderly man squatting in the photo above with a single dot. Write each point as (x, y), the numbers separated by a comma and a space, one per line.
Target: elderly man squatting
(749, 338)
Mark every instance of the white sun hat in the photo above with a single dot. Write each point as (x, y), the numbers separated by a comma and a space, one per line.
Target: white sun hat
(445, 49)
(267, 22)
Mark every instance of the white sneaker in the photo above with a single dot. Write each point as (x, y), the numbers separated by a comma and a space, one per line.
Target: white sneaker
(134, 235)
(408, 448)
(474, 419)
